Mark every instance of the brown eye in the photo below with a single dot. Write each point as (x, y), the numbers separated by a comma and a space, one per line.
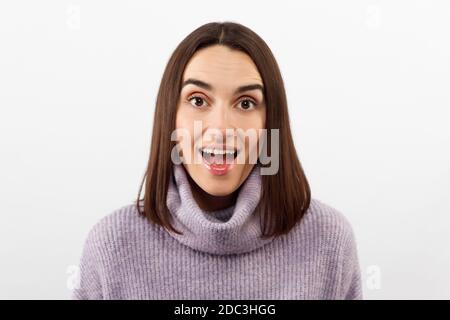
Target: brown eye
(247, 104)
(196, 101)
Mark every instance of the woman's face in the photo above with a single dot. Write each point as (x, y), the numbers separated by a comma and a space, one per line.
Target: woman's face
(221, 107)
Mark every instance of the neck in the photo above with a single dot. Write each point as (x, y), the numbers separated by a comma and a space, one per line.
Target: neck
(209, 202)
(239, 232)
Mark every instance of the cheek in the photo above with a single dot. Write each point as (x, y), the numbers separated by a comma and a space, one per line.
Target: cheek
(262, 118)
(185, 127)
(184, 119)
(255, 121)
(180, 118)
(183, 130)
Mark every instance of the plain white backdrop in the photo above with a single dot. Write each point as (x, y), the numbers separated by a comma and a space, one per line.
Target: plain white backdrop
(368, 85)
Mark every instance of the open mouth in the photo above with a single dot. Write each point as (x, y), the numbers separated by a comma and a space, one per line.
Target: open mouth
(218, 155)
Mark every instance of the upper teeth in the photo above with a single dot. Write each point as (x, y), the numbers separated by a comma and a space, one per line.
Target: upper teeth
(217, 151)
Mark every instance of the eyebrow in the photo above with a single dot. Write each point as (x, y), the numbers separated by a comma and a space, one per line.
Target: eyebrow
(209, 87)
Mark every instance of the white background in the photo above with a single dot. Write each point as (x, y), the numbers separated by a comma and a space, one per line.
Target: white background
(368, 84)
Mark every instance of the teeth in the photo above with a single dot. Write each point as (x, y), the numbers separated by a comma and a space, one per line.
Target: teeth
(217, 151)
(210, 151)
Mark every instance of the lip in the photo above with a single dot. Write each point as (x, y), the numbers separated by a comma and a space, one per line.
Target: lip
(218, 170)
(222, 168)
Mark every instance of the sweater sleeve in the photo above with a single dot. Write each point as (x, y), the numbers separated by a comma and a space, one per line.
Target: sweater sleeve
(89, 281)
(351, 271)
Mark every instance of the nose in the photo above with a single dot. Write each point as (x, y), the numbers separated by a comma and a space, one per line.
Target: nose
(218, 117)
(218, 121)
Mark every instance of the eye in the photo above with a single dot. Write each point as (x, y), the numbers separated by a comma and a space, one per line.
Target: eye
(247, 104)
(197, 101)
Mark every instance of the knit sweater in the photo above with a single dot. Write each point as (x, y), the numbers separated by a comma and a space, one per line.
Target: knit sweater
(220, 254)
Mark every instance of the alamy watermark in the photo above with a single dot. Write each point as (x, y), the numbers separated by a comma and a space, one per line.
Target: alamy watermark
(234, 140)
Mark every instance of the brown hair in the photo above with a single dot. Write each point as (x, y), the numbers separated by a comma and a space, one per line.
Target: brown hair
(286, 195)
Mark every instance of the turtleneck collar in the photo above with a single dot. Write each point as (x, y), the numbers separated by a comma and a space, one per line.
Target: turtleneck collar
(235, 229)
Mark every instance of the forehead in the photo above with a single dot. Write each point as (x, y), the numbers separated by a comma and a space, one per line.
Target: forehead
(221, 65)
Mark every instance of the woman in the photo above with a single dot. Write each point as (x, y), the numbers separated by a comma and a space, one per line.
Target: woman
(216, 221)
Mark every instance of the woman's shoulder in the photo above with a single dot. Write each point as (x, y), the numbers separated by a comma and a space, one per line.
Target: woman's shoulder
(116, 225)
(328, 231)
(326, 222)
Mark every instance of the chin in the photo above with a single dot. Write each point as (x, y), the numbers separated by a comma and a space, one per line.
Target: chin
(218, 191)
(214, 185)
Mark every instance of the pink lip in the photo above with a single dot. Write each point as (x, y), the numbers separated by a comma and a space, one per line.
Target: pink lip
(218, 169)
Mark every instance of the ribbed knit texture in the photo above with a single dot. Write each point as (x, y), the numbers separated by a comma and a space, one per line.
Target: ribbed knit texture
(220, 255)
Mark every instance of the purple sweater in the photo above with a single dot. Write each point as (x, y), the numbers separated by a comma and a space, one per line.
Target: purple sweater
(220, 255)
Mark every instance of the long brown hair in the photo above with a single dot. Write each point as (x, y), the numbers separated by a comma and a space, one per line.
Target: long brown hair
(286, 195)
